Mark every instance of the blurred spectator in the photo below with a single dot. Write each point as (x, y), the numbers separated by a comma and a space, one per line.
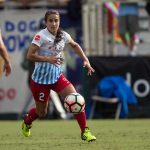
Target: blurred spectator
(128, 24)
(5, 56)
(147, 7)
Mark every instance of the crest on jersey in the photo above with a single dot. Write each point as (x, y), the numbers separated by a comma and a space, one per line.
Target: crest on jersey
(37, 37)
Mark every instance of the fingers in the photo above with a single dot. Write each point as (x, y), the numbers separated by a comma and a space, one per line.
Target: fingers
(55, 60)
(7, 70)
(59, 61)
(6, 73)
(90, 70)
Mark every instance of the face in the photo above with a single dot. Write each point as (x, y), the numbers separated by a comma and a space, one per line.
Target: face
(52, 23)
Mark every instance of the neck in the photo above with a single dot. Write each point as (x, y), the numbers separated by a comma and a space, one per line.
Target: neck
(53, 33)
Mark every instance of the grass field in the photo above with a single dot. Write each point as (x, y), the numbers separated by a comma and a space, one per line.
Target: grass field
(65, 135)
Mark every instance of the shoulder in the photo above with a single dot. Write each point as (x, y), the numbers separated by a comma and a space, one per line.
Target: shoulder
(39, 35)
(66, 35)
(39, 38)
(41, 32)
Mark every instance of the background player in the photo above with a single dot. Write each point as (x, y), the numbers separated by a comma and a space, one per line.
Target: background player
(5, 56)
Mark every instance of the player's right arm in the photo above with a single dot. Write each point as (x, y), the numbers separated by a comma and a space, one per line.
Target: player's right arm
(33, 56)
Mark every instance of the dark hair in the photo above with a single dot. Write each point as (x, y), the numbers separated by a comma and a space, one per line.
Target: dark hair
(59, 32)
(42, 24)
(49, 12)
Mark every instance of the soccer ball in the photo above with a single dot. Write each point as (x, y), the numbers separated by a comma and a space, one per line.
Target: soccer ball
(74, 103)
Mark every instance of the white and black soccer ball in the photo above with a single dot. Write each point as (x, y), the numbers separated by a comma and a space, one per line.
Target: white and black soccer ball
(74, 103)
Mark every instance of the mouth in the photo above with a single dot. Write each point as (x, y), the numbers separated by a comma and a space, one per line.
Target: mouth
(53, 28)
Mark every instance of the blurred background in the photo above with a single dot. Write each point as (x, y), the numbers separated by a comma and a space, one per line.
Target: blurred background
(94, 25)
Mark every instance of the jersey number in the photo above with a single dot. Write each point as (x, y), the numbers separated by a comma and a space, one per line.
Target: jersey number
(41, 98)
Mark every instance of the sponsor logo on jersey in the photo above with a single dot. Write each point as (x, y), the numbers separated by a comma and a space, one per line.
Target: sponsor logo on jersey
(37, 37)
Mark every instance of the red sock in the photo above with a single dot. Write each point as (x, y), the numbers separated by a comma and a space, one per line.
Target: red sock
(81, 118)
(31, 116)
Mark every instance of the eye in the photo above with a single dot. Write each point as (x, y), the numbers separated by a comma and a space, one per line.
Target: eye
(50, 20)
(56, 20)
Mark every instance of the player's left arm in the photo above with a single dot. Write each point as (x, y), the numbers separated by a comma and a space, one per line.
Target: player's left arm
(77, 48)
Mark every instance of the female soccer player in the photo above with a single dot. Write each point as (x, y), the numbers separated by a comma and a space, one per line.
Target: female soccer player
(5, 56)
(45, 51)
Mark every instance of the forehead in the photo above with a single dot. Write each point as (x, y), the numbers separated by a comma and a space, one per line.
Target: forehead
(53, 16)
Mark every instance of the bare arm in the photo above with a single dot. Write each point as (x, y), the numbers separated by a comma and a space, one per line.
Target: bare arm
(77, 48)
(5, 56)
(33, 56)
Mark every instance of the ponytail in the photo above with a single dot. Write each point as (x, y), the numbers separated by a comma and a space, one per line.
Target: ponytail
(58, 36)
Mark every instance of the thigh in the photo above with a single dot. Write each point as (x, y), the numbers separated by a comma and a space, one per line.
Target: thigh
(67, 90)
(40, 92)
(61, 84)
(122, 24)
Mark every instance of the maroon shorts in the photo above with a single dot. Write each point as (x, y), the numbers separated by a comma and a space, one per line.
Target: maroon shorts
(41, 92)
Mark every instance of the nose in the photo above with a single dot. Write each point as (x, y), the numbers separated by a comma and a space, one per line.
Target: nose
(54, 23)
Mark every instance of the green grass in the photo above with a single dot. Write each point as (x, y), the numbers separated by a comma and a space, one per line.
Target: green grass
(65, 135)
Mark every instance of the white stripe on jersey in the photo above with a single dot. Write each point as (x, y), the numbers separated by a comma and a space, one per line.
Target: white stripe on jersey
(46, 74)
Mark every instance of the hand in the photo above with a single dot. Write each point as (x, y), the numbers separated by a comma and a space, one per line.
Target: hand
(87, 65)
(55, 60)
(7, 69)
(60, 60)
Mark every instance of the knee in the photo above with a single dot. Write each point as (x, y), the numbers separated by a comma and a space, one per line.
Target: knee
(41, 113)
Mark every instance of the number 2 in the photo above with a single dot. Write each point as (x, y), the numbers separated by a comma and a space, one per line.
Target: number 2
(41, 98)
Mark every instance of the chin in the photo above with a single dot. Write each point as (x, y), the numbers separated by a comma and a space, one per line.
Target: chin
(54, 31)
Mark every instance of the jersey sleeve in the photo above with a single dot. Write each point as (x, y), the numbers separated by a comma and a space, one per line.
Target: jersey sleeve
(67, 37)
(38, 40)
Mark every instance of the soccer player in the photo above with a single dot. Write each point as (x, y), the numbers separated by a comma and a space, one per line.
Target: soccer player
(5, 56)
(45, 50)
